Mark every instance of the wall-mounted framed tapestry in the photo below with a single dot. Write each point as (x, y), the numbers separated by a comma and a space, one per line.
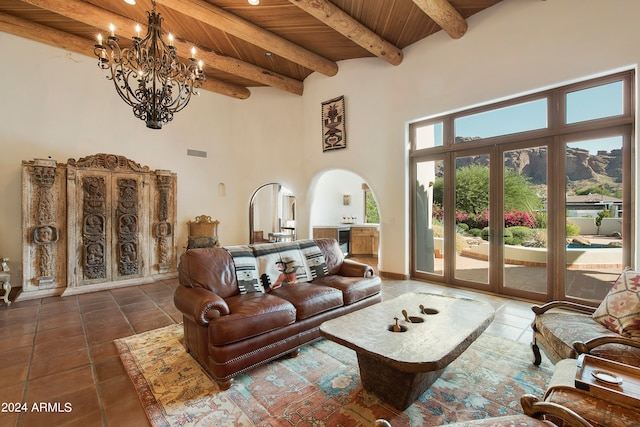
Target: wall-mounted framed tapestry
(334, 130)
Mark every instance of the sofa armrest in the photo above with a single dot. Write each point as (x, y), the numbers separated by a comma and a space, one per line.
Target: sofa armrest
(567, 305)
(199, 304)
(586, 347)
(351, 268)
(534, 407)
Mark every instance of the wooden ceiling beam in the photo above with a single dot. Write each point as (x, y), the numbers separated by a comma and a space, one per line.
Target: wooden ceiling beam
(346, 25)
(43, 34)
(229, 23)
(101, 18)
(445, 15)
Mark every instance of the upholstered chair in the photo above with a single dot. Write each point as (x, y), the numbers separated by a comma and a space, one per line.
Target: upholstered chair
(536, 413)
(558, 325)
(612, 330)
(598, 410)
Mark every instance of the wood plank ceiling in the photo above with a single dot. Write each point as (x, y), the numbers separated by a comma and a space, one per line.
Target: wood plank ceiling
(277, 43)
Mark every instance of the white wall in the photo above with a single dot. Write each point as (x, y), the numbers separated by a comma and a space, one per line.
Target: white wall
(59, 104)
(512, 48)
(327, 207)
(56, 103)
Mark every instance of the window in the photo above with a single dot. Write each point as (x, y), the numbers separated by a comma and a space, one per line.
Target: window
(498, 191)
(515, 118)
(581, 105)
(428, 135)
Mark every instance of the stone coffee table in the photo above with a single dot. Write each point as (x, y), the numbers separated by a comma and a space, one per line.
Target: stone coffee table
(399, 366)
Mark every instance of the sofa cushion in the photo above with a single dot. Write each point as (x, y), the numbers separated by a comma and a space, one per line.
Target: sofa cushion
(251, 315)
(560, 330)
(246, 269)
(310, 299)
(619, 311)
(353, 289)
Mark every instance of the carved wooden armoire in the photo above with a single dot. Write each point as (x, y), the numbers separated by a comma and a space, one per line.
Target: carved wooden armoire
(99, 222)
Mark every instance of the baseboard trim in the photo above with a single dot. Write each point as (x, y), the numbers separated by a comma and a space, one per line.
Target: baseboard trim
(394, 276)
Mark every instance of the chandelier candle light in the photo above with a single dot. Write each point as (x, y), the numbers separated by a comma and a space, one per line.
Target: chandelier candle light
(149, 76)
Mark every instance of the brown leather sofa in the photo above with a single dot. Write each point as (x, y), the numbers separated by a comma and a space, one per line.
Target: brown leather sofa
(230, 333)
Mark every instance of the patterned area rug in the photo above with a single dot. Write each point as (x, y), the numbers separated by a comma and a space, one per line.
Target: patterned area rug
(321, 387)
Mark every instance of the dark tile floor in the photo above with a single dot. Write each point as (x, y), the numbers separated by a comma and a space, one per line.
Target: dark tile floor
(59, 351)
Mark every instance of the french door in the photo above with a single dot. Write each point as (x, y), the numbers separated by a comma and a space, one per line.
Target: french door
(479, 224)
(464, 200)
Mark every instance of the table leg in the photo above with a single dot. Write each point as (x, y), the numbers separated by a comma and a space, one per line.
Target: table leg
(399, 389)
(7, 290)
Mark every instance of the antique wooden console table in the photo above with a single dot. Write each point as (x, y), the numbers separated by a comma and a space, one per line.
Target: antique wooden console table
(400, 366)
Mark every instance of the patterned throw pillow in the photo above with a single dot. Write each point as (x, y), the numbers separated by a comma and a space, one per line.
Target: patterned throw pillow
(202, 242)
(619, 311)
(246, 269)
(314, 262)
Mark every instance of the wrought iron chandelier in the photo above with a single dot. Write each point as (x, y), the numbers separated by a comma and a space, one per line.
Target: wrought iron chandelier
(149, 76)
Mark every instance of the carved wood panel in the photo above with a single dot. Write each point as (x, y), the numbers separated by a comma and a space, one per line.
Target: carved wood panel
(120, 220)
(43, 226)
(112, 229)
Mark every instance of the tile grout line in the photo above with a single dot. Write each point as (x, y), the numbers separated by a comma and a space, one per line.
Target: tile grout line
(33, 347)
(94, 371)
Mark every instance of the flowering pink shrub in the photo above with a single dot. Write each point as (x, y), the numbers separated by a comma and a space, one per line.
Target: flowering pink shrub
(515, 218)
(438, 213)
(480, 220)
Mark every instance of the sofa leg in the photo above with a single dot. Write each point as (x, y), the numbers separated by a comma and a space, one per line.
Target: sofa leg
(294, 353)
(225, 384)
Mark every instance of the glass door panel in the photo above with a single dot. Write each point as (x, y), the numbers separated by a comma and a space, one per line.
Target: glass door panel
(525, 220)
(472, 245)
(593, 254)
(429, 216)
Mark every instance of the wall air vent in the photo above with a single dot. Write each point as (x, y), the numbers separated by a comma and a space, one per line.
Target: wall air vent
(196, 153)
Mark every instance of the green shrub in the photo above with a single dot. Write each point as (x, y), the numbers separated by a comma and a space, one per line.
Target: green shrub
(514, 241)
(506, 233)
(463, 227)
(572, 229)
(485, 233)
(541, 220)
(475, 232)
(523, 233)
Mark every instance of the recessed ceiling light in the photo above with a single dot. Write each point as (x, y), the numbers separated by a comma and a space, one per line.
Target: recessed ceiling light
(131, 2)
(254, 2)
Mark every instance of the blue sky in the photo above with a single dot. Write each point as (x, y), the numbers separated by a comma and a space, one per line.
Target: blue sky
(587, 104)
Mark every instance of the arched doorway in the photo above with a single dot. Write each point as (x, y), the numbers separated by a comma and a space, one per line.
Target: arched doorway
(344, 207)
(272, 214)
